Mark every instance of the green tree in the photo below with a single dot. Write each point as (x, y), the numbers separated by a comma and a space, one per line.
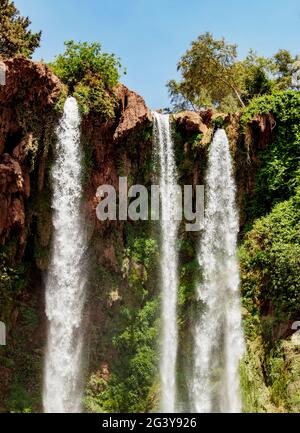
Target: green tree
(213, 76)
(15, 38)
(210, 72)
(282, 67)
(283, 59)
(91, 75)
(257, 73)
(263, 75)
(82, 60)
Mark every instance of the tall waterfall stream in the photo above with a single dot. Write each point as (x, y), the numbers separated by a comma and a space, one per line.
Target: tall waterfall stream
(65, 287)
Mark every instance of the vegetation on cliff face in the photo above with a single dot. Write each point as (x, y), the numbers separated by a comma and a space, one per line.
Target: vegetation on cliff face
(278, 175)
(123, 366)
(15, 37)
(271, 297)
(270, 263)
(269, 256)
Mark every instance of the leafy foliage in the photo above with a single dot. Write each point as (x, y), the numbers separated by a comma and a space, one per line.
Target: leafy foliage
(83, 59)
(128, 389)
(213, 76)
(90, 74)
(130, 386)
(270, 284)
(209, 73)
(15, 38)
(279, 172)
(270, 262)
(12, 278)
(137, 345)
(92, 95)
(256, 78)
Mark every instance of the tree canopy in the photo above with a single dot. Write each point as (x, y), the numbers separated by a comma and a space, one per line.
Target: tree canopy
(90, 74)
(213, 75)
(84, 59)
(15, 37)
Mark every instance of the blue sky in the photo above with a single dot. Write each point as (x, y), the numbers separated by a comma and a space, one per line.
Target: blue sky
(150, 35)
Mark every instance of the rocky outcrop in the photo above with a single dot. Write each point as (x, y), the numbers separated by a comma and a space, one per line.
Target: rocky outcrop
(134, 112)
(191, 121)
(12, 213)
(29, 92)
(26, 83)
(108, 138)
(260, 131)
(29, 81)
(201, 123)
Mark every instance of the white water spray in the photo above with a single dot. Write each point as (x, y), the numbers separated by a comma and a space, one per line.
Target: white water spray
(218, 333)
(65, 288)
(168, 261)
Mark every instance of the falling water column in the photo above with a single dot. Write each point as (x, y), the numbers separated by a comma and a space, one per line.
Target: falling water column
(218, 333)
(168, 261)
(65, 284)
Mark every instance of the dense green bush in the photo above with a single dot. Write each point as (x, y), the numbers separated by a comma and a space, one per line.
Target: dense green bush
(270, 262)
(15, 36)
(82, 59)
(270, 285)
(90, 74)
(130, 386)
(279, 170)
(13, 279)
(92, 95)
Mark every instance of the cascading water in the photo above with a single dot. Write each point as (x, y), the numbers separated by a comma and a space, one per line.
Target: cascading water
(65, 287)
(218, 332)
(168, 261)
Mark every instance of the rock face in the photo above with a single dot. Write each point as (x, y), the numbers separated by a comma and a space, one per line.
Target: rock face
(108, 138)
(26, 101)
(134, 112)
(260, 130)
(29, 92)
(196, 123)
(12, 214)
(119, 148)
(26, 83)
(191, 121)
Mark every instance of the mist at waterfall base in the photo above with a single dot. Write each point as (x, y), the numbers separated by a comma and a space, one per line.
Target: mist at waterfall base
(65, 286)
(218, 337)
(164, 150)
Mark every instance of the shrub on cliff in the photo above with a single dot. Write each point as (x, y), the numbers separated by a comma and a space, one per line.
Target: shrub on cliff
(213, 76)
(279, 171)
(15, 38)
(270, 262)
(270, 285)
(90, 75)
(92, 95)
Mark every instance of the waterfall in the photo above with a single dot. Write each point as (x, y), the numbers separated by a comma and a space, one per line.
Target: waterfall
(218, 340)
(168, 260)
(65, 284)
